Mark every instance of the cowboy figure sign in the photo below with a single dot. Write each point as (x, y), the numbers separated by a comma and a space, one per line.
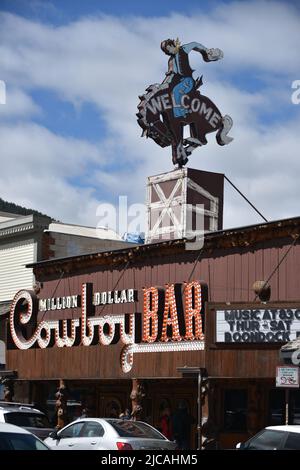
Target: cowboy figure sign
(166, 108)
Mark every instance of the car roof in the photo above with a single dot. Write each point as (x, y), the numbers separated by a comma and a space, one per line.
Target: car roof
(286, 428)
(107, 420)
(17, 408)
(5, 427)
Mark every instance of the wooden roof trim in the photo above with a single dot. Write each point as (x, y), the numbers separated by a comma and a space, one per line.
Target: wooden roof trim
(231, 238)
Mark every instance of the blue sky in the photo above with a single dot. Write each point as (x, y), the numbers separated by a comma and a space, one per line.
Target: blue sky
(74, 70)
(65, 11)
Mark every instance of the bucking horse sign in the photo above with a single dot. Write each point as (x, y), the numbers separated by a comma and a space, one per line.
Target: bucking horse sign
(166, 108)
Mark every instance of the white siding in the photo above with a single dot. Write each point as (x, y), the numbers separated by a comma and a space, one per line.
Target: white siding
(13, 273)
(82, 231)
(5, 218)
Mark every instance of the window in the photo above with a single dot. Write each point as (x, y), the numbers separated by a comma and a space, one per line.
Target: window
(27, 420)
(135, 429)
(235, 410)
(71, 431)
(15, 441)
(92, 429)
(266, 440)
(293, 441)
(276, 407)
(294, 407)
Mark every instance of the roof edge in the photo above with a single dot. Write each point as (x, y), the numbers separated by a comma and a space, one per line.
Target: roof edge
(230, 238)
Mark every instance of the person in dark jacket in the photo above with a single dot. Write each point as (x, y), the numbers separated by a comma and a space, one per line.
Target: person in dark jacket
(182, 424)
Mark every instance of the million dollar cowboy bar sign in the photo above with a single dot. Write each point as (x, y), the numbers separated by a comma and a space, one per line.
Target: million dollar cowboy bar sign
(172, 320)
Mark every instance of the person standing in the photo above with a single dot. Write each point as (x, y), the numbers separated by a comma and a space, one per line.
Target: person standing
(166, 424)
(182, 424)
(84, 413)
(126, 415)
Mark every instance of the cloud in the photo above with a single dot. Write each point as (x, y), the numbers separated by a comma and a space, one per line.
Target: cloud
(39, 168)
(108, 61)
(18, 105)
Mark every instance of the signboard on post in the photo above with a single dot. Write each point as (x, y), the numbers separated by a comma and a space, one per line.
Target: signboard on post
(287, 377)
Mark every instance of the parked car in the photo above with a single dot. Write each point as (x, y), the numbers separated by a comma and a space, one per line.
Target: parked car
(27, 417)
(108, 434)
(14, 438)
(274, 438)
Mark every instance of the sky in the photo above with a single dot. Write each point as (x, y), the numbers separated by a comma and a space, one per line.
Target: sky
(73, 70)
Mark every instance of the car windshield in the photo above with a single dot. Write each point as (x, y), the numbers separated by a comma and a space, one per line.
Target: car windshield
(268, 439)
(27, 420)
(135, 429)
(15, 441)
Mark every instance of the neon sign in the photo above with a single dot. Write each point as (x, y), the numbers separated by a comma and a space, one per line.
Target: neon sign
(171, 321)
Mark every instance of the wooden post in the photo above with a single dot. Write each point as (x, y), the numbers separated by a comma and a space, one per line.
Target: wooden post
(137, 395)
(61, 405)
(8, 388)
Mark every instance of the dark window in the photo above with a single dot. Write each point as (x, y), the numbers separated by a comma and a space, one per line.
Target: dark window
(92, 429)
(294, 407)
(235, 410)
(293, 441)
(266, 440)
(14, 441)
(27, 420)
(71, 431)
(135, 429)
(276, 407)
(4, 442)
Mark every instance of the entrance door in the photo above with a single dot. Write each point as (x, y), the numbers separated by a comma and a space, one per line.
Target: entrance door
(175, 395)
(110, 406)
(113, 397)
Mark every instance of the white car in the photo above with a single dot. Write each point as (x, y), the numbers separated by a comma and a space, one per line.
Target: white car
(14, 438)
(274, 438)
(25, 416)
(108, 434)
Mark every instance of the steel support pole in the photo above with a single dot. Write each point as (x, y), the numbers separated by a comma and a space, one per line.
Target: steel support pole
(199, 424)
(287, 396)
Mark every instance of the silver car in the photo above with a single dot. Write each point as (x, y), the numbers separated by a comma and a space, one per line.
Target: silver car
(26, 417)
(15, 438)
(108, 434)
(284, 437)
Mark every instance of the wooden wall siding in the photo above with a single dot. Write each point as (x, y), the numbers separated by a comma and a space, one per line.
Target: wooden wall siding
(243, 363)
(229, 274)
(97, 362)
